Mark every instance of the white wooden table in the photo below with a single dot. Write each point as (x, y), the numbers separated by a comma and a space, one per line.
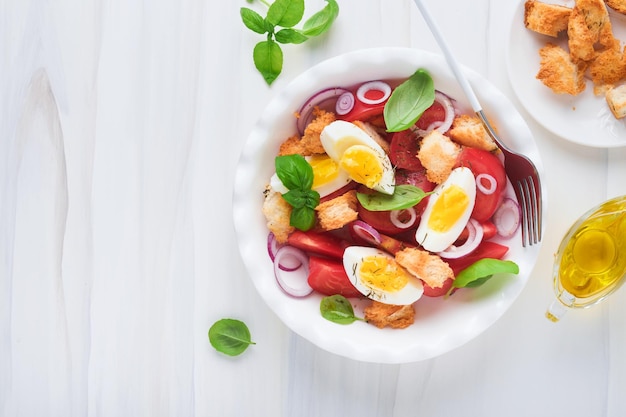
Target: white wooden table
(121, 123)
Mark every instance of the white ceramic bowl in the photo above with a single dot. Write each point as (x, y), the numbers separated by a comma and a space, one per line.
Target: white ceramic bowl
(441, 324)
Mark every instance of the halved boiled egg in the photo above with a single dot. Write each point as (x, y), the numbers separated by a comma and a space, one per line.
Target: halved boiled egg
(379, 277)
(448, 211)
(359, 155)
(328, 177)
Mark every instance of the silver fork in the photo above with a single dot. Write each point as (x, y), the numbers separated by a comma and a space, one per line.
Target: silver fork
(521, 171)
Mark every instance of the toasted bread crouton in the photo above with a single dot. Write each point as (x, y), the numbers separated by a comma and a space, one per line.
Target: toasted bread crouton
(336, 213)
(544, 18)
(395, 316)
(311, 138)
(469, 131)
(373, 133)
(584, 28)
(618, 5)
(291, 146)
(277, 212)
(438, 154)
(430, 268)
(616, 99)
(559, 73)
(609, 66)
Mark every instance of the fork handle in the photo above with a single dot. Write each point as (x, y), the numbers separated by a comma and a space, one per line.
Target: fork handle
(452, 62)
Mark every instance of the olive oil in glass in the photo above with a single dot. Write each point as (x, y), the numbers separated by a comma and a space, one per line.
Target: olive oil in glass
(591, 261)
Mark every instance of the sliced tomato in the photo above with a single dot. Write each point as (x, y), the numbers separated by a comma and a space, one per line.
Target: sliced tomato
(341, 191)
(438, 292)
(323, 244)
(486, 249)
(435, 113)
(403, 150)
(328, 277)
(484, 162)
(363, 112)
(489, 231)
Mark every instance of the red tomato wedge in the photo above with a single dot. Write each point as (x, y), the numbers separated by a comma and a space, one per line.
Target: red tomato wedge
(323, 244)
(328, 277)
(438, 292)
(484, 162)
(403, 150)
(435, 113)
(486, 249)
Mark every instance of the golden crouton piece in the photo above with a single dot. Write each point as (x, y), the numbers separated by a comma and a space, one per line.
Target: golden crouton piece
(430, 268)
(395, 316)
(277, 212)
(291, 146)
(373, 133)
(616, 99)
(609, 66)
(584, 28)
(336, 213)
(469, 131)
(311, 137)
(544, 18)
(618, 5)
(438, 154)
(559, 73)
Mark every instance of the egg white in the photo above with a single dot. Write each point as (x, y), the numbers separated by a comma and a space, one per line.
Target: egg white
(353, 258)
(340, 135)
(435, 240)
(324, 189)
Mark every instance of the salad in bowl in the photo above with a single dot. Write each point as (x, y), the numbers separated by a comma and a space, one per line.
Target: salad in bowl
(373, 211)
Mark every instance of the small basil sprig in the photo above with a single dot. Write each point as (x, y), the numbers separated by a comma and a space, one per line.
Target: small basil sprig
(404, 196)
(297, 175)
(230, 336)
(408, 101)
(337, 308)
(481, 271)
(278, 24)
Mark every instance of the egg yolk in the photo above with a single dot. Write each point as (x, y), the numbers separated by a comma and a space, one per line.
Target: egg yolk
(324, 169)
(363, 165)
(379, 272)
(449, 207)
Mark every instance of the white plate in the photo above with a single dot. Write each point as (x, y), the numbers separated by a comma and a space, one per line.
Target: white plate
(584, 119)
(441, 324)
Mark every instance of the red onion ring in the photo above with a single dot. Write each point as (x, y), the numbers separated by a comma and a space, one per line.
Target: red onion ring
(294, 282)
(476, 234)
(507, 218)
(273, 246)
(441, 126)
(345, 103)
(363, 231)
(319, 99)
(395, 220)
(381, 86)
(487, 190)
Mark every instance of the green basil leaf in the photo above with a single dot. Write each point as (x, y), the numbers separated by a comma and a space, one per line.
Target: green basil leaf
(482, 270)
(337, 308)
(290, 36)
(302, 218)
(285, 13)
(252, 20)
(302, 198)
(230, 336)
(404, 196)
(321, 21)
(268, 59)
(294, 172)
(409, 101)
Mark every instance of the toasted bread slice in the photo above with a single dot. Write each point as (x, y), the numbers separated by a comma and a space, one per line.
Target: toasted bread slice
(544, 18)
(558, 72)
(336, 213)
(428, 267)
(277, 212)
(618, 5)
(438, 154)
(387, 315)
(585, 25)
(469, 131)
(616, 99)
(609, 66)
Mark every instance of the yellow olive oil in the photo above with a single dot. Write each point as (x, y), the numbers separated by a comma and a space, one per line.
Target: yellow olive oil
(593, 256)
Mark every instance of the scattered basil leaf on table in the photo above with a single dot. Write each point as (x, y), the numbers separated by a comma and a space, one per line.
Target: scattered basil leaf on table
(230, 336)
(408, 101)
(404, 196)
(279, 25)
(481, 271)
(337, 308)
(297, 175)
